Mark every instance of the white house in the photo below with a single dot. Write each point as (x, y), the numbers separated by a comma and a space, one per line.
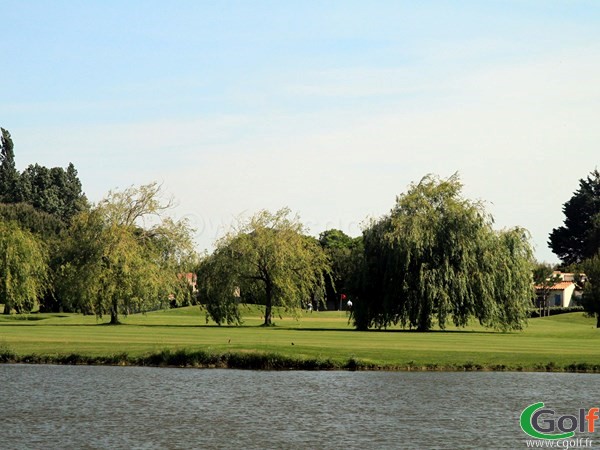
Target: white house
(563, 293)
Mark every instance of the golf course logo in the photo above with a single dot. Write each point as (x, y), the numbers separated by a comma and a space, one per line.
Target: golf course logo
(543, 423)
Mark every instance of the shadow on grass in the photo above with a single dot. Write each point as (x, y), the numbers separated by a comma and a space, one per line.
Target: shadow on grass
(28, 317)
(274, 327)
(403, 331)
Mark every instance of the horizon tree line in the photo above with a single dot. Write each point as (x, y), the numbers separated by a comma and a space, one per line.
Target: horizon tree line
(434, 259)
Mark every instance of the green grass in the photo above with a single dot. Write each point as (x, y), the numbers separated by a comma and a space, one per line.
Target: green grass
(317, 340)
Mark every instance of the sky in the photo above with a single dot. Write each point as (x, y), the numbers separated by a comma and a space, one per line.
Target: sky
(331, 108)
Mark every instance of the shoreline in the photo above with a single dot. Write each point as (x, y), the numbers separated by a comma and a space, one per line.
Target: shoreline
(274, 362)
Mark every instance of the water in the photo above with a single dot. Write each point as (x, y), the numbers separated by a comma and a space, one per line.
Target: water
(150, 408)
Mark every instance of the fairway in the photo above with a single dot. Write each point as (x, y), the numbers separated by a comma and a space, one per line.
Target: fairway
(563, 342)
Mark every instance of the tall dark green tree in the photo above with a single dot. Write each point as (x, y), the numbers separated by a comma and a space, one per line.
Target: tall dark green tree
(579, 238)
(436, 257)
(9, 176)
(591, 292)
(53, 190)
(341, 250)
(44, 225)
(42, 201)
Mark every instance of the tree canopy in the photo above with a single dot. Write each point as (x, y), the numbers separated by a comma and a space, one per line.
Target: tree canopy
(40, 223)
(436, 256)
(579, 238)
(48, 229)
(55, 190)
(124, 256)
(23, 269)
(342, 252)
(267, 258)
(9, 176)
(591, 292)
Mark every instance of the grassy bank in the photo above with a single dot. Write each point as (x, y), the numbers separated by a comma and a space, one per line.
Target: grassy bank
(321, 340)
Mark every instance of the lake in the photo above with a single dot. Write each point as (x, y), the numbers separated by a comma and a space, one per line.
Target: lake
(44, 406)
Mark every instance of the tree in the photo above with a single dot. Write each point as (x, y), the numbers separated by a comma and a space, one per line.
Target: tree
(591, 291)
(341, 250)
(436, 256)
(47, 228)
(9, 176)
(44, 225)
(56, 191)
(42, 201)
(579, 238)
(124, 256)
(267, 258)
(23, 268)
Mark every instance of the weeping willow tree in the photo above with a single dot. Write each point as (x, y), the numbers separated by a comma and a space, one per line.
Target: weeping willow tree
(124, 255)
(267, 259)
(436, 257)
(23, 268)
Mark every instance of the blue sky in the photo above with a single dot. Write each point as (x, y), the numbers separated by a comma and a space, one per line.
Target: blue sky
(330, 108)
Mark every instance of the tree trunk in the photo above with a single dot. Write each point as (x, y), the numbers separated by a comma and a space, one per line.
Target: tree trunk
(424, 320)
(268, 304)
(7, 306)
(114, 313)
(597, 320)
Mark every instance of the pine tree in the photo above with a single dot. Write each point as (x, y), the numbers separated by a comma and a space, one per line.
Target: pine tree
(579, 238)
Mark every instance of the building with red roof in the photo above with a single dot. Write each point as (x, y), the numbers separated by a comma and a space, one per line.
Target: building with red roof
(564, 293)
